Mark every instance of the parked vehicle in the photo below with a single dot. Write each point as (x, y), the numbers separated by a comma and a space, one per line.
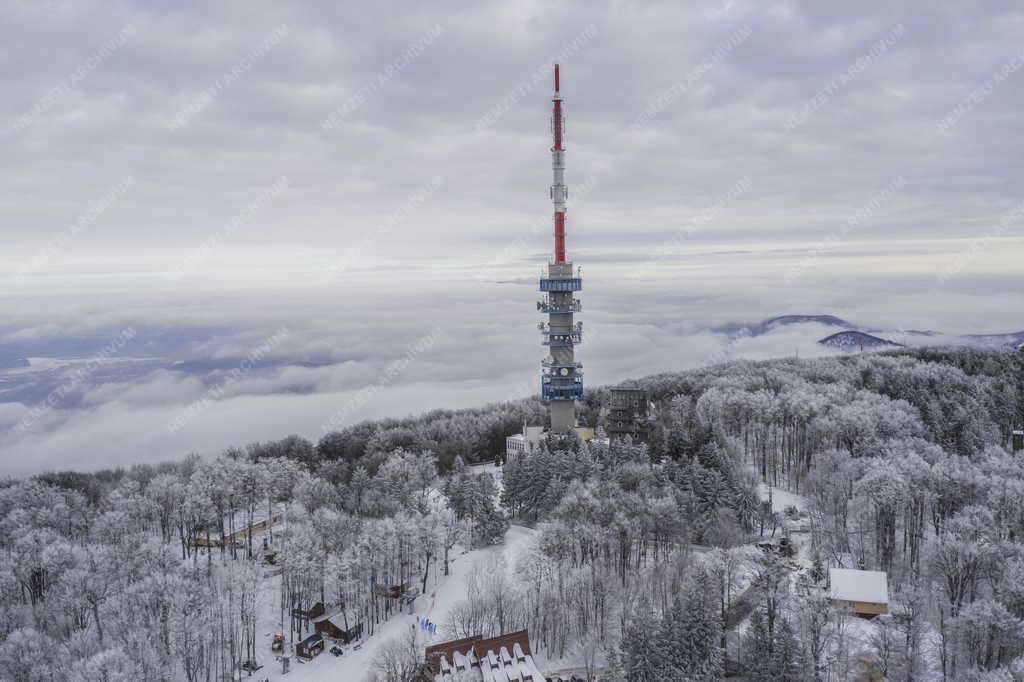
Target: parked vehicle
(337, 650)
(782, 546)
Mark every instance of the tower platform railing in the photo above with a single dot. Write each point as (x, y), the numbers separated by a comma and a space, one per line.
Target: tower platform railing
(553, 391)
(562, 339)
(574, 367)
(548, 307)
(559, 284)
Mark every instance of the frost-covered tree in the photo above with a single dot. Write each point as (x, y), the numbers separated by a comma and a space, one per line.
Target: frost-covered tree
(643, 657)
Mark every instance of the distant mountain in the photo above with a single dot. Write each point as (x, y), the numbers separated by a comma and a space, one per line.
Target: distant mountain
(773, 323)
(854, 340)
(1014, 339)
(785, 320)
(907, 332)
(866, 336)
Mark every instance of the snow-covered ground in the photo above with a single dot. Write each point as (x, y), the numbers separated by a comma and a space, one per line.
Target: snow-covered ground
(443, 593)
(797, 526)
(782, 499)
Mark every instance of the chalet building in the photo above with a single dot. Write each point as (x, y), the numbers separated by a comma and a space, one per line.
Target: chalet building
(1018, 440)
(506, 657)
(865, 593)
(311, 646)
(333, 625)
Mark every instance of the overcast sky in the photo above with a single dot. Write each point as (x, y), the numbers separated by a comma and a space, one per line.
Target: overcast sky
(246, 155)
(421, 121)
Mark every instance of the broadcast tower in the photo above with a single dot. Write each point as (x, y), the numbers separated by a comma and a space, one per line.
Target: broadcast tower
(561, 376)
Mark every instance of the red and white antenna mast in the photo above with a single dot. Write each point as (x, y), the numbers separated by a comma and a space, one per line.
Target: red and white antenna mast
(562, 376)
(558, 192)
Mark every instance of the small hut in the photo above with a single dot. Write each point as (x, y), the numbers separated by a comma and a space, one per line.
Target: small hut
(866, 593)
(311, 646)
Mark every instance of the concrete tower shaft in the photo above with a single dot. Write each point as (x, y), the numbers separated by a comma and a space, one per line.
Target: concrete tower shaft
(562, 376)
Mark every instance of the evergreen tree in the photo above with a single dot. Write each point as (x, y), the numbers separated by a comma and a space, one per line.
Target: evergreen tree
(757, 647)
(614, 670)
(772, 653)
(786, 662)
(703, 633)
(641, 652)
(689, 637)
(673, 641)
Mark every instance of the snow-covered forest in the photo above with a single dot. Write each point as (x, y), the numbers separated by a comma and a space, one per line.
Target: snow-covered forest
(640, 564)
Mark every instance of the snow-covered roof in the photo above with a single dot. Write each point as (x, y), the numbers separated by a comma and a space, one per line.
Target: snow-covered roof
(499, 659)
(490, 669)
(853, 585)
(331, 616)
(312, 639)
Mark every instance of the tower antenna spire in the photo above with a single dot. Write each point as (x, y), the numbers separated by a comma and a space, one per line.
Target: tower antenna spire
(558, 192)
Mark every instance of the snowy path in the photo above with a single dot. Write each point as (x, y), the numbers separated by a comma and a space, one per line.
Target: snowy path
(354, 665)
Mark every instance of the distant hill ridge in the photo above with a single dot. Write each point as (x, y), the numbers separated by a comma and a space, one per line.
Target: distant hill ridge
(854, 335)
(1008, 339)
(855, 339)
(786, 320)
(772, 323)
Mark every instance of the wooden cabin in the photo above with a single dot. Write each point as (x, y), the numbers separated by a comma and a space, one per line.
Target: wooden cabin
(333, 625)
(865, 593)
(311, 646)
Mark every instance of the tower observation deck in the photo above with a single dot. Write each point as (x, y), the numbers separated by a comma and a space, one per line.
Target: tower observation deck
(561, 375)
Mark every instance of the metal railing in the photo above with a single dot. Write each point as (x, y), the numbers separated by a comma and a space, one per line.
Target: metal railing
(560, 284)
(548, 307)
(562, 339)
(553, 392)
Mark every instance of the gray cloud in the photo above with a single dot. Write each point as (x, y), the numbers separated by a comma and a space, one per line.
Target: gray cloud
(420, 123)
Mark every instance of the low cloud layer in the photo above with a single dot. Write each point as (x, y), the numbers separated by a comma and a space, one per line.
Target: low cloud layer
(203, 374)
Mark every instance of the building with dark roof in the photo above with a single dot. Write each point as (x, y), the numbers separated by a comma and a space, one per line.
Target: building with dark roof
(505, 657)
(311, 646)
